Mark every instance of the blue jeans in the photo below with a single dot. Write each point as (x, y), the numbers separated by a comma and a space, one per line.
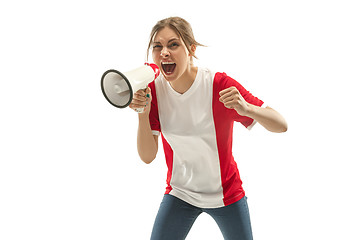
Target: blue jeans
(176, 217)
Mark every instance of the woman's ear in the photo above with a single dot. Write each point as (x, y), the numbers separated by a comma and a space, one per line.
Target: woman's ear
(193, 49)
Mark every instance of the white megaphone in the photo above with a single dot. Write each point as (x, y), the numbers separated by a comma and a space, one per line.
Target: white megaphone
(119, 88)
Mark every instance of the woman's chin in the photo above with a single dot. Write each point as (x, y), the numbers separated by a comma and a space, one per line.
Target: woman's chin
(170, 76)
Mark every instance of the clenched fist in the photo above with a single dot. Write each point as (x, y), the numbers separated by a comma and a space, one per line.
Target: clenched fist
(232, 99)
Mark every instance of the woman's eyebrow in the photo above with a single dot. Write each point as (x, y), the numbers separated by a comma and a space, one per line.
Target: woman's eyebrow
(171, 40)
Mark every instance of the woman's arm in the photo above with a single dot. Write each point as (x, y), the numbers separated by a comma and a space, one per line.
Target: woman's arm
(267, 117)
(147, 143)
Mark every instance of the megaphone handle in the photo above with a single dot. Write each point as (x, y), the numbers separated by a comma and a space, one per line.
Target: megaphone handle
(139, 110)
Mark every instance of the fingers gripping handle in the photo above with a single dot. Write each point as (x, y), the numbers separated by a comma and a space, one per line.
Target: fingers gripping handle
(140, 110)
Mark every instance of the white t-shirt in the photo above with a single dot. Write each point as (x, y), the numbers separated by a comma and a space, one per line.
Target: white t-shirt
(196, 130)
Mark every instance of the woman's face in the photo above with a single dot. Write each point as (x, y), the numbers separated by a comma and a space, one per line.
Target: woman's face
(170, 54)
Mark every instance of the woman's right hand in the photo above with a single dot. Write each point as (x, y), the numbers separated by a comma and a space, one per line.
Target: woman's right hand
(141, 99)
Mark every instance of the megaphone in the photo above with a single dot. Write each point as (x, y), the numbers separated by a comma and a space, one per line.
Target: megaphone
(119, 88)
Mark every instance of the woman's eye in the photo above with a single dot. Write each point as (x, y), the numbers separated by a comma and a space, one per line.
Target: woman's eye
(157, 46)
(174, 45)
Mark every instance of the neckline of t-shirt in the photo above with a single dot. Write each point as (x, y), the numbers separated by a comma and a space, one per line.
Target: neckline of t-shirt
(190, 90)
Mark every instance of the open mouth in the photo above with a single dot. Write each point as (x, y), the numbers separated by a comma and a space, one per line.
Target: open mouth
(168, 67)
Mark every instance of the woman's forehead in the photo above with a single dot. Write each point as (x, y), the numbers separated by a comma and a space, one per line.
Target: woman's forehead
(165, 34)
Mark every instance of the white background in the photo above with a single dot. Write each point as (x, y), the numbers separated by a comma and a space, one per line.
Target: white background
(69, 167)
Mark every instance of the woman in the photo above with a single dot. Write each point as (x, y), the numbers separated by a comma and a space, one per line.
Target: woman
(194, 110)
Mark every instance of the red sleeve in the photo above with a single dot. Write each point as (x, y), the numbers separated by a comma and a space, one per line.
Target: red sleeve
(223, 81)
(154, 112)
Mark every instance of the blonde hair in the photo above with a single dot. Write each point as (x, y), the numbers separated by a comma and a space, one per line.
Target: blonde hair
(181, 27)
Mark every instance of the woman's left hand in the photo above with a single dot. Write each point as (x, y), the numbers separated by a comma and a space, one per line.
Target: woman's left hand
(232, 99)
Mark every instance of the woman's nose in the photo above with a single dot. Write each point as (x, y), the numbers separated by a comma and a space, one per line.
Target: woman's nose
(164, 52)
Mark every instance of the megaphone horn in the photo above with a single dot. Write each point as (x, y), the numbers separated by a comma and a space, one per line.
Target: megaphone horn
(118, 88)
